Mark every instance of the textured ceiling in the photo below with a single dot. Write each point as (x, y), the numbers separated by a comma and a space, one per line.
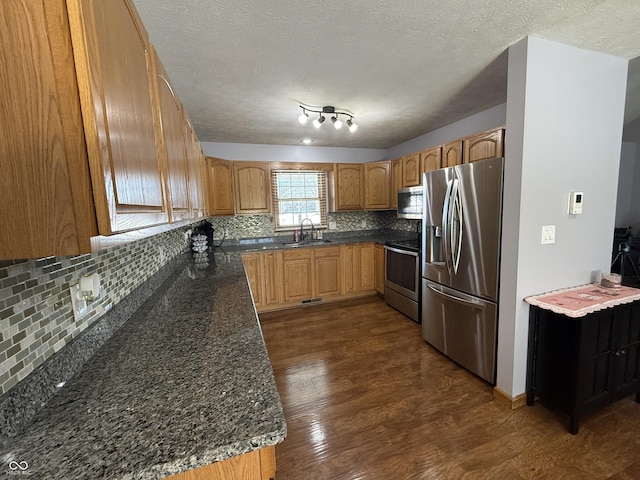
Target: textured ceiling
(403, 67)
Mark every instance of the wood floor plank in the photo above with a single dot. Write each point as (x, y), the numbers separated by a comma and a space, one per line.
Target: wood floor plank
(366, 397)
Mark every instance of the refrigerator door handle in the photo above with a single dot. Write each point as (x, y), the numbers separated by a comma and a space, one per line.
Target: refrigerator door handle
(456, 226)
(446, 227)
(456, 296)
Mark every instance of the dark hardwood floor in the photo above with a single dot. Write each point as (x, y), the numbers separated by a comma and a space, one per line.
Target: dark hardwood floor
(366, 398)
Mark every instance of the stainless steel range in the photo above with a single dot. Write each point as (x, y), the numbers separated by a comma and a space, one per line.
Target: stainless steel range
(402, 277)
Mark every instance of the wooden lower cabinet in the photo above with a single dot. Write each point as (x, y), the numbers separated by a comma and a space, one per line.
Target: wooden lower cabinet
(349, 268)
(366, 260)
(327, 274)
(379, 267)
(287, 278)
(298, 274)
(253, 268)
(256, 465)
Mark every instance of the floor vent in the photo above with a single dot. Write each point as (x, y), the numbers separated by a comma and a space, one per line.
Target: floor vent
(312, 300)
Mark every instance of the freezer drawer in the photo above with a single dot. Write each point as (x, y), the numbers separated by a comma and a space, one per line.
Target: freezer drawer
(460, 326)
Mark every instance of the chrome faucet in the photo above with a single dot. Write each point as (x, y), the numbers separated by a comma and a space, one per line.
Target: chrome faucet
(302, 234)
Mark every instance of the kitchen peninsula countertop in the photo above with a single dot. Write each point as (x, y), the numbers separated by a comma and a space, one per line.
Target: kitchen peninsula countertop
(185, 382)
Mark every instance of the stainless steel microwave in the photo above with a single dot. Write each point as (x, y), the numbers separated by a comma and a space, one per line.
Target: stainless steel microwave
(410, 203)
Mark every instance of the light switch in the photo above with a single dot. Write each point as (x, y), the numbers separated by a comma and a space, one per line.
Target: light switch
(548, 234)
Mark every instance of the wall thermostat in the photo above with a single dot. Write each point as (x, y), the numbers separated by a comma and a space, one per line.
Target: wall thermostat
(575, 203)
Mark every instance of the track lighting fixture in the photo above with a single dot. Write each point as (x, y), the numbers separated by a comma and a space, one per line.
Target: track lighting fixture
(335, 120)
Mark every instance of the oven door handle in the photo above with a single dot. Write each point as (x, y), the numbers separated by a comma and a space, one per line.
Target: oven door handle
(402, 251)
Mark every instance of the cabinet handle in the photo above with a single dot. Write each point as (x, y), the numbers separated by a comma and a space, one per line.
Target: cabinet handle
(621, 352)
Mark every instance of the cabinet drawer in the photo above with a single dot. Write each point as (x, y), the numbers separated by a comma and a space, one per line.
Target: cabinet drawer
(298, 253)
(327, 252)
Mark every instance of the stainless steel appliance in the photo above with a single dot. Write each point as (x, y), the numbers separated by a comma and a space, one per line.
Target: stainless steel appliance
(402, 277)
(461, 249)
(410, 203)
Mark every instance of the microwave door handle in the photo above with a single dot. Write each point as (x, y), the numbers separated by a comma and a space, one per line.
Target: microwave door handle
(446, 232)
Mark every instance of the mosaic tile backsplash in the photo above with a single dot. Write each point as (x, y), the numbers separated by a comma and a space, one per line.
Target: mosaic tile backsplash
(247, 226)
(36, 317)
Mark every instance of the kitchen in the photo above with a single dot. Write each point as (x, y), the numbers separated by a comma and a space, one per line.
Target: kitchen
(579, 251)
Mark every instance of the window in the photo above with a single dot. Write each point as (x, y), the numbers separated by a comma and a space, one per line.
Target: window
(299, 194)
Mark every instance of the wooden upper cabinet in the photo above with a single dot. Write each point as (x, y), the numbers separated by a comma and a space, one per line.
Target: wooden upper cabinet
(411, 171)
(172, 147)
(489, 144)
(197, 171)
(219, 187)
(46, 204)
(452, 154)
(113, 66)
(251, 182)
(377, 185)
(396, 181)
(430, 159)
(347, 187)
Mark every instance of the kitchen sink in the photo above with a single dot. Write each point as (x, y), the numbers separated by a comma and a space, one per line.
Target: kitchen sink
(306, 243)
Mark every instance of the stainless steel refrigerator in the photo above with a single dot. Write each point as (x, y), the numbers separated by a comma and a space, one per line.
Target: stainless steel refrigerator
(461, 230)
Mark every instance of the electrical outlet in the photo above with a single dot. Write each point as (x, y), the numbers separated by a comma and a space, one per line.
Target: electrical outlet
(333, 225)
(548, 234)
(226, 232)
(80, 306)
(363, 224)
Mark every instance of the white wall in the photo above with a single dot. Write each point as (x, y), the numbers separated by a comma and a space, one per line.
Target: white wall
(288, 153)
(625, 208)
(564, 116)
(485, 120)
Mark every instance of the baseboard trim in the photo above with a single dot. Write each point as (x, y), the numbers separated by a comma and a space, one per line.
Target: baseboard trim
(506, 399)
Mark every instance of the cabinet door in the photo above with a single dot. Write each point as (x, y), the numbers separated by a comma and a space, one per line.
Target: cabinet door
(377, 185)
(298, 275)
(113, 67)
(253, 269)
(366, 257)
(411, 174)
(219, 187)
(452, 154)
(379, 267)
(626, 355)
(348, 186)
(349, 267)
(484, 145)
(172, 149)
(273, 276)
(197, 172)
(326, 272)
(252, 187)
(46, 204)
(430, 159)
(396, 181)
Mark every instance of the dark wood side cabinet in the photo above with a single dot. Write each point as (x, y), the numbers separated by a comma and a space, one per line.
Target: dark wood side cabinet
(582, 364)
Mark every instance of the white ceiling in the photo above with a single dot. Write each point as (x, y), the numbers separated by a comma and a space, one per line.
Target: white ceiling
(402, 67)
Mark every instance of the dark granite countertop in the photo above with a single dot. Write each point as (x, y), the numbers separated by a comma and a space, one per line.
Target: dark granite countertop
(331, 239)
(185, 382)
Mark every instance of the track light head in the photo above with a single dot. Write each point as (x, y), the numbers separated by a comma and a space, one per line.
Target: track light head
(352, 126)
(303, 117)
(318, 121)
(336, 123)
